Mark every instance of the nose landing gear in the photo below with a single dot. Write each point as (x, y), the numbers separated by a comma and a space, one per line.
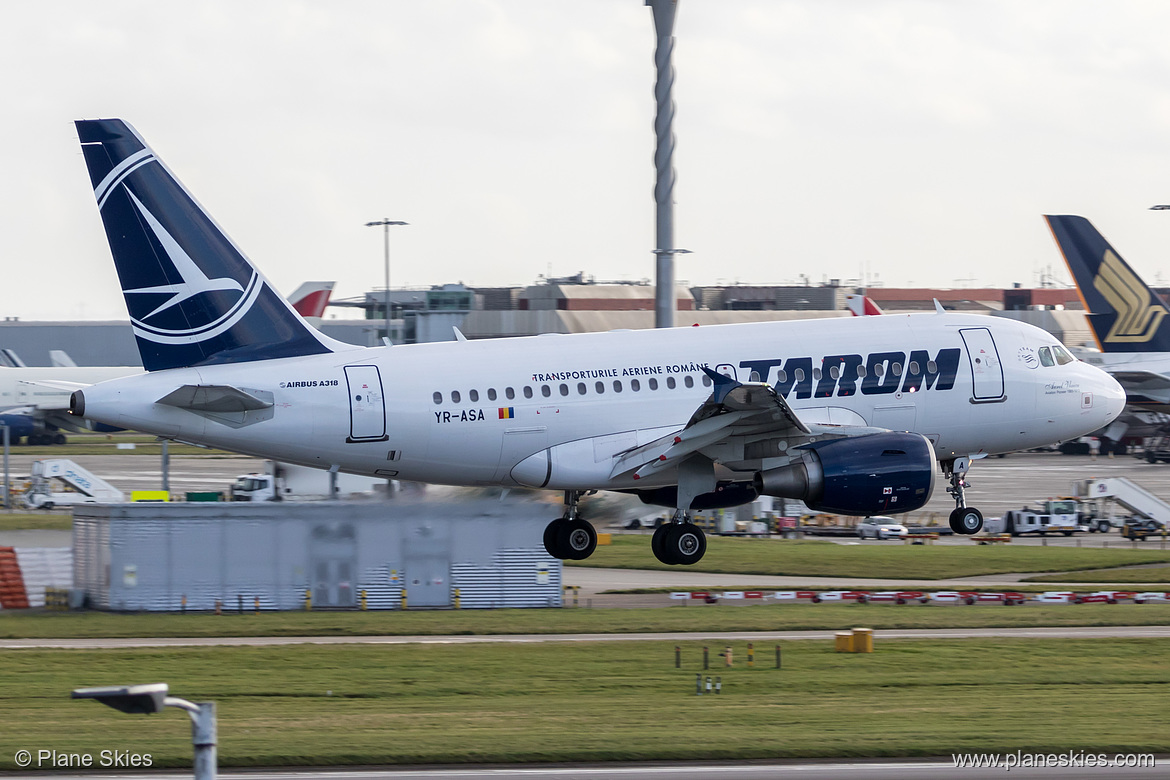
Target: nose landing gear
(964, 519)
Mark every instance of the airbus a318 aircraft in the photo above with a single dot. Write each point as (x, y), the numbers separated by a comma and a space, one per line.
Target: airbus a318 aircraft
(851, 416)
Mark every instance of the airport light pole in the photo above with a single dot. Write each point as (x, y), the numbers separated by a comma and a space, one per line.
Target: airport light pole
(151, 698)
(664, 301)
(386, 225)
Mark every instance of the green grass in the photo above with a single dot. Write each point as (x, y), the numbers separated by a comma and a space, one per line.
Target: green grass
(763, 617)
(347, 704)
(789, 558)
(1151, 574)
(40, 521)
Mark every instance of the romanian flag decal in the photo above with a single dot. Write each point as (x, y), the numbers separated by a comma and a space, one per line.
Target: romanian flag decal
(507, 412)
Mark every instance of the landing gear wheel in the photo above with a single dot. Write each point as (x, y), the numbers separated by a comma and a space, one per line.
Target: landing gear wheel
(550, 538)
(60, 439)
(576, 539)
(656, 543)
(683, 543)
(966, 520)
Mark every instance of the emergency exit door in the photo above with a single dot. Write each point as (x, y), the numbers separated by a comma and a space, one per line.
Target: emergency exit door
(367, 406)
(986, 370)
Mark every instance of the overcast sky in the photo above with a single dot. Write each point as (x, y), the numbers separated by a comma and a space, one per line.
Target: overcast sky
(910, 142)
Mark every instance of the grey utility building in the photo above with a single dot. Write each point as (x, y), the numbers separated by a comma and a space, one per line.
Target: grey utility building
(164, 557)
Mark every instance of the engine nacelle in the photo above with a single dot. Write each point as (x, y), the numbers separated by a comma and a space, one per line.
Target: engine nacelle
(726, 494)
(881, 473)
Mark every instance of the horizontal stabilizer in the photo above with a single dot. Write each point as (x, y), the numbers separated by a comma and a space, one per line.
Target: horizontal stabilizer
(221, 399)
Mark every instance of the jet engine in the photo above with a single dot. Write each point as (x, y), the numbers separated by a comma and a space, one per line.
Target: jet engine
(880, 473)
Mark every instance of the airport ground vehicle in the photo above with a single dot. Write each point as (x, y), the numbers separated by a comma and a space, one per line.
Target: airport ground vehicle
(1139, 529)
(1101, 497)
(1052, 517)
(879, 527)
(287, 482)
(61, 482)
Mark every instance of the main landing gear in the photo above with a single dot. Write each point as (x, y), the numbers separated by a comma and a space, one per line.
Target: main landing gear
(678, 542)
(964, 519)
(570, 537)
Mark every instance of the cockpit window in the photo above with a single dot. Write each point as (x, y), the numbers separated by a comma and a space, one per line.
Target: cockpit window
(1046, 356)
(1062, 356)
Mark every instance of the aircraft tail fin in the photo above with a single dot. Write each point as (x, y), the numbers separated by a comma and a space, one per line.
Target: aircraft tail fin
(862, 305)
(192, 295)
(1125, 315)
(311, 298)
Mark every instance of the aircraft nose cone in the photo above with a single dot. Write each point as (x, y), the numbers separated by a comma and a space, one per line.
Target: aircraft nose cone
(1112, 396)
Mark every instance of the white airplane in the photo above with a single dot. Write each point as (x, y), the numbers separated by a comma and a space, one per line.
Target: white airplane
(848, 415)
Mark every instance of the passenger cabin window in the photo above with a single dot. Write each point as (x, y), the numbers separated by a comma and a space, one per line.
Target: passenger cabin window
(689, 381)
(545, 390)
(473, 395)
(527, 391)
(653, 383)
(564, 389)
(599, 387)
(454, 396)
(491, 393)
(1046, 357)
(617, 386)
(635, 385)
(707, 380)
(438, 398)
(670, 383)
(510, 393)
(581, 389)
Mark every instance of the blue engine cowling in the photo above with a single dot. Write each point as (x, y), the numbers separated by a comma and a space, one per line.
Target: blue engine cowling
(881, 473)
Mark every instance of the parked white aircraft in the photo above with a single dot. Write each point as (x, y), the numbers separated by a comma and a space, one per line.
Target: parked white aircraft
(849, 416)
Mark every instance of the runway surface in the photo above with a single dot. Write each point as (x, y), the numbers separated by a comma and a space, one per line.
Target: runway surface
(872, 770)
(1055, 632)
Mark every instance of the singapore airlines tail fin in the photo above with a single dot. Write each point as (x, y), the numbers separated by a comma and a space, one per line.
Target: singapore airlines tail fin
(193, 297)
(1124, 314)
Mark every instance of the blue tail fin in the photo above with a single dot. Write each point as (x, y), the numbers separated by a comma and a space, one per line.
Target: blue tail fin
(1125, 314)
(193, 297)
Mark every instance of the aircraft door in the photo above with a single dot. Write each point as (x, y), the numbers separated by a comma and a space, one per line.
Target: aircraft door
(367, 404)
(986, 369)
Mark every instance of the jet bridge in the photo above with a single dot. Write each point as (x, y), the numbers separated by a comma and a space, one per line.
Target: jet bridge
(1133, 497)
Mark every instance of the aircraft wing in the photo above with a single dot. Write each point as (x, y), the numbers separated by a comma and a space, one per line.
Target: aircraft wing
(743, 411)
